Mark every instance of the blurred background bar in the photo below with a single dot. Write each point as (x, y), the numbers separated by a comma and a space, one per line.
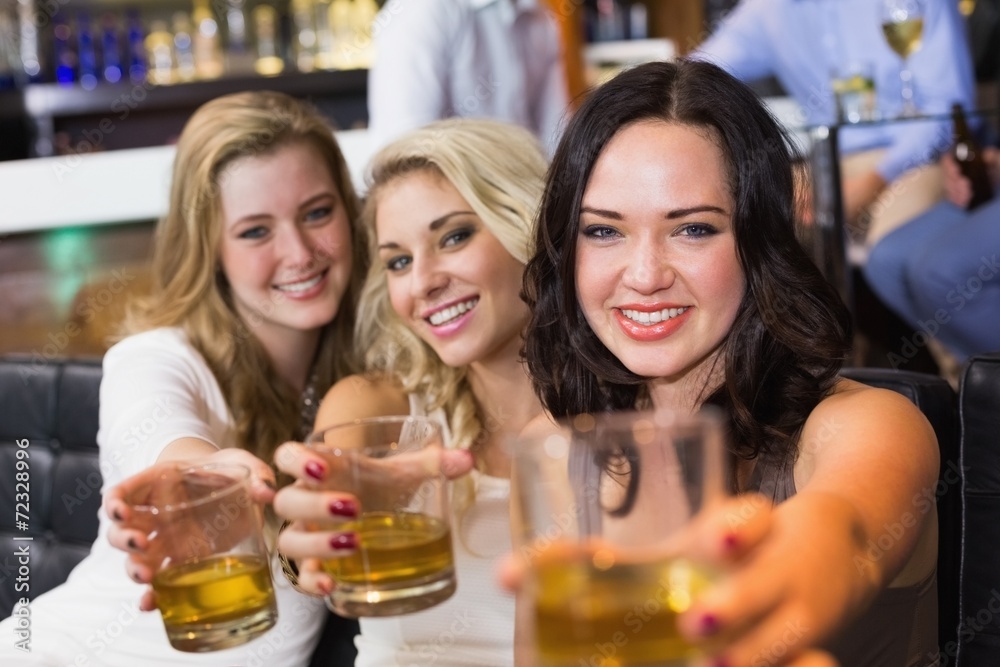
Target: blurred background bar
(94, 92)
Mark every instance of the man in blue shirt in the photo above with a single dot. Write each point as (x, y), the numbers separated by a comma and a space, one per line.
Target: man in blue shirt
(889, 175)
(941, 274)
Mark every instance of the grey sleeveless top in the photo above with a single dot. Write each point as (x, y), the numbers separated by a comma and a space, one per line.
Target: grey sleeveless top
(900, 627)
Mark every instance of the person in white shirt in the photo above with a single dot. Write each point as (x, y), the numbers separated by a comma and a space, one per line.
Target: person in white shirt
(437, 59)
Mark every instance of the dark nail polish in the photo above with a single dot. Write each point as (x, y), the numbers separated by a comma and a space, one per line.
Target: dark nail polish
(344, 541)
(116, 515)
(731, 541)
(709, 625)
(131, 544)
(316, 470)
(344, 508)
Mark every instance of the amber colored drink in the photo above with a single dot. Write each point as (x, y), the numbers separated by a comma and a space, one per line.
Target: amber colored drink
(403, 563)
(224, 593)
(904, 37)
(591, 611)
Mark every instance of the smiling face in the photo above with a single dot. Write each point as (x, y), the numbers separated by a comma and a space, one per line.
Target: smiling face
(449, 278)
(657, 274)
(286, 241)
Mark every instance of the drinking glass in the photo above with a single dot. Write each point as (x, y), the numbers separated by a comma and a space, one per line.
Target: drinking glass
(600, 506)
(212, 575)
(854, 92)
(903, 27)
(404, 561)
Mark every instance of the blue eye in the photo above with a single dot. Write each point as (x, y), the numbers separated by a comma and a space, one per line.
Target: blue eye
(320, 213)
(600, 232)
(698, 229)
(254, 233)
(398, 263)
(456, 237)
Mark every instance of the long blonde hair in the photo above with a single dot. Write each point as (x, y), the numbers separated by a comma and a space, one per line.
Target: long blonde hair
(189, 289)
(499, 169)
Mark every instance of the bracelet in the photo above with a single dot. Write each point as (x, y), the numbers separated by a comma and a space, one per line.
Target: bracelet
(289, 568)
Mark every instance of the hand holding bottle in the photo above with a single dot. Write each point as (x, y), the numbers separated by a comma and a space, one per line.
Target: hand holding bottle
(958, 188)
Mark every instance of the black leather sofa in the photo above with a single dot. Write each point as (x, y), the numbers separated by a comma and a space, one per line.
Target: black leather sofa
(978, 588)
(48, 451)
(49, 409)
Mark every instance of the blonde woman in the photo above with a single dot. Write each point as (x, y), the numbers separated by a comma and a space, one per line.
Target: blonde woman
(449, 215)
(255, 281)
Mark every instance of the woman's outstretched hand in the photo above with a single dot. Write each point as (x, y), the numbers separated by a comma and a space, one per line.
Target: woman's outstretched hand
(316, 508)
(125, 534)
(777, 598)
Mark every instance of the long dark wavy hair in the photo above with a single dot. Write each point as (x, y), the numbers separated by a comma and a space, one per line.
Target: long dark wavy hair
(791, 332)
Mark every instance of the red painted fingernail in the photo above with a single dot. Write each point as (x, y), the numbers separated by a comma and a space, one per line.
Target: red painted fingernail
(709, 624)
(316, 470)
(345, 508)
(731, 541)
(344, 541)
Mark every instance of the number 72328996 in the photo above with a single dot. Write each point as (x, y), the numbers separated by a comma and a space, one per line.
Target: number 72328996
(22, 479)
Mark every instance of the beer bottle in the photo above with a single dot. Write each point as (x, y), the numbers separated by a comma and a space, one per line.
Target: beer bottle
(969, 156)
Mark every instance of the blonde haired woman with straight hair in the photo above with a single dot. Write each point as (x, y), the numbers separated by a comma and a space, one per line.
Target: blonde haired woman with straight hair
(255, 279)
(449, 216)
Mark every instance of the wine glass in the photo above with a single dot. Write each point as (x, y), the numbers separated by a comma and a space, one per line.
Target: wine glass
(903, 27)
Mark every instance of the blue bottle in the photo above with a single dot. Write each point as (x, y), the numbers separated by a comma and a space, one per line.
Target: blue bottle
(136, 48)
(65, 56)
(111, 50)
(87, 52)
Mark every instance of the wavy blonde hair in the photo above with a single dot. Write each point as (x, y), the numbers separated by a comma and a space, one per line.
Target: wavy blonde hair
(189, 289)
(499, 169)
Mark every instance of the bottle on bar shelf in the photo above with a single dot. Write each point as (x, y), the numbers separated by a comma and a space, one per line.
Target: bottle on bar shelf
(183, 47)
(324, 35)
(87, 52)
(304, 34)
(136, 48)
(65, 54)
(111, 52)
(345, 46)
(8, 48)
(969, 156)
(362, 20)
(160, 53)
(205, 47)
(239, 57)
(265, 21)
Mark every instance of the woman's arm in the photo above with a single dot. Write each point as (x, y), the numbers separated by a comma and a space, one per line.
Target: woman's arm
(160, 405)
(867, 457)
(123, 534)
(312, 498)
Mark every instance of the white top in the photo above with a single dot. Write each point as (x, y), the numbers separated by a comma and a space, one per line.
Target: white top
(473, 58)
(473, 628)
(156, 388)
